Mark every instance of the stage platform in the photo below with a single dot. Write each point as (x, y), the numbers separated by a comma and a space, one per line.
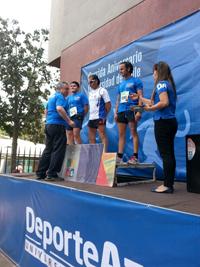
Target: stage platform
(180, 200)
(44, 222)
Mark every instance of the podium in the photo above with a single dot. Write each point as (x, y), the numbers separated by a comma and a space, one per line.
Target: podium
(139, 166)
(81, 163)
(87, 163)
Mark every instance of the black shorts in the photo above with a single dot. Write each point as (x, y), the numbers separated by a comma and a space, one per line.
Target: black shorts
(78, 121)
(126, 116)
(96, 123)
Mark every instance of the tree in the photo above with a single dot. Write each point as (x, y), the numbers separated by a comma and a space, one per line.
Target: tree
(23, 74)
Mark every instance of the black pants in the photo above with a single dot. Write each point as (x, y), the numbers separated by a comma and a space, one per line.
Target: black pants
(165, 131)
(54, 152)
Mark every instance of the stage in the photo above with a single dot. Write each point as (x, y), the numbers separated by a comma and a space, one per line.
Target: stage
(180, 200)
(78, 224)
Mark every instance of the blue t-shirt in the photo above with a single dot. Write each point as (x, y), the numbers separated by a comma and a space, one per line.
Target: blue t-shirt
(76, 103)
(127, 87)
(169, 111)
(53, 116)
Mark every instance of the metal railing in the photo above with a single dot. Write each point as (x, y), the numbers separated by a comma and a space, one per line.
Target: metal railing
(25, 162)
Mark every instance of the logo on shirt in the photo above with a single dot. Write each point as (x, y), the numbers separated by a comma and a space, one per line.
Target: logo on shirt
(129, 85)
(161, 86)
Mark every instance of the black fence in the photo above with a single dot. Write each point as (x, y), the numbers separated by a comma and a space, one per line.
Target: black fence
(25, 162)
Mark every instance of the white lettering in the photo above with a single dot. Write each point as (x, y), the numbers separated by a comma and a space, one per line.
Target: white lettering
(38, 227)
(129, 263)
(78, 241)
(113, 67)
(87, 255)
(47, 235)
(119, 79)
(30, 220)
(67, 236)
(161, 85)
(58, 238)
(136, 72)
(110, 254)
(41, 255)
(108, 82)
(101, 72)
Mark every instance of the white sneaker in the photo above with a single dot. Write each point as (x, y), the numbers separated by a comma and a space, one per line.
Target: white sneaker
(119, 161)
(133, 160)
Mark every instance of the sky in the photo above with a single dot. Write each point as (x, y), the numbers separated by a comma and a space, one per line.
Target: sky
(31, 14)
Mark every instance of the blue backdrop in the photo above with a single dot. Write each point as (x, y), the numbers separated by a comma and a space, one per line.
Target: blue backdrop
(179, 45)
(48, 225)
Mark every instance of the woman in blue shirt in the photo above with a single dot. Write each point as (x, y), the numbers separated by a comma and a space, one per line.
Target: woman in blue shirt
(163, 103)
(77, 108)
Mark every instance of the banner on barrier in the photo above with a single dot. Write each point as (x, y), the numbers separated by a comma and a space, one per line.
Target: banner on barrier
(179, 45)
(53, 226)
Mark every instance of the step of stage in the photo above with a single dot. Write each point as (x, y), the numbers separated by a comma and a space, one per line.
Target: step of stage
(125, 180)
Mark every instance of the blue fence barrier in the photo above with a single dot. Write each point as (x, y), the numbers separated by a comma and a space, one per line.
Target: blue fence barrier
(49, 225)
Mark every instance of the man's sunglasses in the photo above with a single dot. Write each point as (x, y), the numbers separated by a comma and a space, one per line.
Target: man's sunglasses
(92, 81)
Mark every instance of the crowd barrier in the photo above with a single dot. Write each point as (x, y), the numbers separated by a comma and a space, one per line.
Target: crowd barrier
(43, 224)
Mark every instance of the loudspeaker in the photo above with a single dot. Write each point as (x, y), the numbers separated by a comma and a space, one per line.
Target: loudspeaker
(193, 163)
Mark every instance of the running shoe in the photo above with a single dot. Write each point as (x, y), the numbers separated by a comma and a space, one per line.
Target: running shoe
(119, 161)
(133, 160)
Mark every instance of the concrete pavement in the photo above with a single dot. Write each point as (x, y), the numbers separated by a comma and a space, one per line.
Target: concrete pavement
(5, 262)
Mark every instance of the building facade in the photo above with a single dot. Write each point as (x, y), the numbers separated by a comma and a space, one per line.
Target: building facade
(83, 31)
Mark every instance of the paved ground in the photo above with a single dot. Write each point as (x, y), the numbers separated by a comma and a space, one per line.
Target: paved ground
(5, 262)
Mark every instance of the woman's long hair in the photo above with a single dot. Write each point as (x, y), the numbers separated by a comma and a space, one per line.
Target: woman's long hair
(164, 73)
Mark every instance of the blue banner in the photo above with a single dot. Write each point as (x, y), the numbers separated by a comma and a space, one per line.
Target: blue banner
(49, 225)
(179, 45)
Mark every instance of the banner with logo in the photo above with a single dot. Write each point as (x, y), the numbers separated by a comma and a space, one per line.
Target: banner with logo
(179, 45)
(48, 225)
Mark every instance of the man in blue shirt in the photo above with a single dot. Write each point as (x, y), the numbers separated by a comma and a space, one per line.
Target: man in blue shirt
(56, 119)
(77, 108)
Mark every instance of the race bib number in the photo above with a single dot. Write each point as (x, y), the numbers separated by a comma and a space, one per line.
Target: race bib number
(124, 97)
(73, 111)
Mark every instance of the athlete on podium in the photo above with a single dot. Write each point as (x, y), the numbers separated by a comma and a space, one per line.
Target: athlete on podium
(99, 107)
